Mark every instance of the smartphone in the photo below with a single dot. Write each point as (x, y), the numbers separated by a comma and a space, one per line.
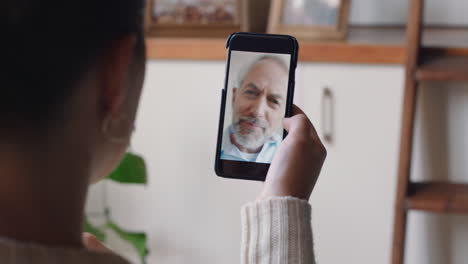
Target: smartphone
(258, 93)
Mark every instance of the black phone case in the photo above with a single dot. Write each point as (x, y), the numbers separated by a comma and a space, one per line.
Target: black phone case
(250, 166)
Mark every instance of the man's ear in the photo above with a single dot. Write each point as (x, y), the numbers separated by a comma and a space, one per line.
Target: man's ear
(115, 65)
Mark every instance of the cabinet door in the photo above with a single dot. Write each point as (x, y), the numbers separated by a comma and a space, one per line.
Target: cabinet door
(190, 214)
(353, 199)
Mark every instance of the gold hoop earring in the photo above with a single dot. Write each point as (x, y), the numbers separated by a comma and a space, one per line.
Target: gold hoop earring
(117, 130)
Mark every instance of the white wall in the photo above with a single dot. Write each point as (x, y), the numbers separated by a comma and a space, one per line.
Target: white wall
(441, 151)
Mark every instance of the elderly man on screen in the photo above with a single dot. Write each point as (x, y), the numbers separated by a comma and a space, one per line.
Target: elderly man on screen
(258, 108)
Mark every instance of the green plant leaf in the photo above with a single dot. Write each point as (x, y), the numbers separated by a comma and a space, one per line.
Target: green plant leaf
(137, 240)
(132, 169)
(89, 228)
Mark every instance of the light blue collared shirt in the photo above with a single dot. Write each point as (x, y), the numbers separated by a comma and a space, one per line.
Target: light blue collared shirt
(230, 152)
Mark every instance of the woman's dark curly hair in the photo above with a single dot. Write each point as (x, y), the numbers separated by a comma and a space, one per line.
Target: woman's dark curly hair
(47, 45)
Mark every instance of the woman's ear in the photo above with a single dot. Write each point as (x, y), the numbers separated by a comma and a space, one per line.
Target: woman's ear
(115, 66)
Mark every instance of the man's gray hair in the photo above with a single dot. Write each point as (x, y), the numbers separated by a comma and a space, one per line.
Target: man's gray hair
(246, 69)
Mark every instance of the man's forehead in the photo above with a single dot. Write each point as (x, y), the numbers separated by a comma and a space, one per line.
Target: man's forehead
(268, 74)
(272, 63)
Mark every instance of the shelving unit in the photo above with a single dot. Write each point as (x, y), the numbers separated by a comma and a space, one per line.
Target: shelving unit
(438, 197)
(366, 45)
(423, 64)
(436, 66)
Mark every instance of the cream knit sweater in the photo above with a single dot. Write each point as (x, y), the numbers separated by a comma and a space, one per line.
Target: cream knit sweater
(275, 231)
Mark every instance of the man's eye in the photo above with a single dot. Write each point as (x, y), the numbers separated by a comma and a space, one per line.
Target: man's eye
(250, 92)
(274, 101)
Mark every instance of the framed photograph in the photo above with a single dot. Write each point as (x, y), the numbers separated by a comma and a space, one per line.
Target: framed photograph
(193, 18)
(310, 19)
(255, 15)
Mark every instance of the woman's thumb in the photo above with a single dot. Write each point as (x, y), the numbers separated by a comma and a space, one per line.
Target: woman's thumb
(287, 123)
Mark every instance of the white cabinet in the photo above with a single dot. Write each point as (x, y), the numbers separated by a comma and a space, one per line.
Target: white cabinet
(354, 197)
(192, 216)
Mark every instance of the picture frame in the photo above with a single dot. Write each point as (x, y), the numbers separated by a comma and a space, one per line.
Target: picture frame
(158, 26)
(255, 14)
(331, 26)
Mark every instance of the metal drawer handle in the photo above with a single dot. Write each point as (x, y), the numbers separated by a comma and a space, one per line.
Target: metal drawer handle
(327, 115)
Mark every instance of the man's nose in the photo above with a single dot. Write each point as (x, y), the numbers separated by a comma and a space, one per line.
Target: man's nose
(259, 109)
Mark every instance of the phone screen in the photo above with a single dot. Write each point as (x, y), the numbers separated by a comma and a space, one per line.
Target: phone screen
(256, 102)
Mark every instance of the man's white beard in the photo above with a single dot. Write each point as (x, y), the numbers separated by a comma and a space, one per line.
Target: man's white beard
(249, 141)
(252, 140)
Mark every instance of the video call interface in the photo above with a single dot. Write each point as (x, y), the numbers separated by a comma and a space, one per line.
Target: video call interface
(255, 106)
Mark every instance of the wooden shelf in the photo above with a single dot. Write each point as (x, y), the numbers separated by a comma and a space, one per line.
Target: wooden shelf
(437, 65)
(438, 197)
(372, 45)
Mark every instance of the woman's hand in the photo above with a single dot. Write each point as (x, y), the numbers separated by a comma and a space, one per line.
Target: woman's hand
(298, 161)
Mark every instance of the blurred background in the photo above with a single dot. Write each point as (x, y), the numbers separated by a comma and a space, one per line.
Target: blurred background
(352, 90)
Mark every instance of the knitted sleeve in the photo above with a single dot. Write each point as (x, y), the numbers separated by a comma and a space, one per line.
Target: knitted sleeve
(277, 231)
